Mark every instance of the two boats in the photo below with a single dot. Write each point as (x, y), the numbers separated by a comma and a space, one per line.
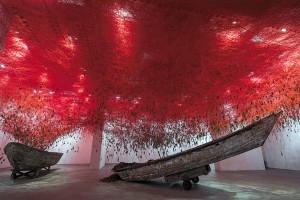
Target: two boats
(186, 166)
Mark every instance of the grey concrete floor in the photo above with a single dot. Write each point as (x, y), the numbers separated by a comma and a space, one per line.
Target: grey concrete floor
(78, 182)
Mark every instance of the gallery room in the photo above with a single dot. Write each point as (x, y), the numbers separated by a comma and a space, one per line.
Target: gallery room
(149, 99)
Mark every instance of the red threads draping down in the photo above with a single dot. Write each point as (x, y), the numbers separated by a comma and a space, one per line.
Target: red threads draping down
(151, 70)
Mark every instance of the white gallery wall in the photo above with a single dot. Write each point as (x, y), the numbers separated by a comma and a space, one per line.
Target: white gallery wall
(4, 140)
(251, 160)
(282, 149)
(76, 147)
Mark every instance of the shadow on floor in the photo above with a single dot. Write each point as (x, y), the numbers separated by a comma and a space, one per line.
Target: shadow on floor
(30, 179)
(176, 190)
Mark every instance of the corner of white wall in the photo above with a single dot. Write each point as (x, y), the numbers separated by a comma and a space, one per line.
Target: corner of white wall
(97, 160)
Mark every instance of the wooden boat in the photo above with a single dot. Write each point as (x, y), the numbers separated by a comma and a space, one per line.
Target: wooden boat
(26, 160)
(188, 165)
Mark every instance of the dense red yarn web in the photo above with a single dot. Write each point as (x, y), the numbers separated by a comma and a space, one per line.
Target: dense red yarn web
(149, 72)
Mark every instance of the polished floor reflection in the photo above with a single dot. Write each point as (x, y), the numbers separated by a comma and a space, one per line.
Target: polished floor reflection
(78, 182)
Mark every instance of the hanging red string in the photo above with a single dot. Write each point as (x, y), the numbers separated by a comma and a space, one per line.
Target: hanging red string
(143, 65)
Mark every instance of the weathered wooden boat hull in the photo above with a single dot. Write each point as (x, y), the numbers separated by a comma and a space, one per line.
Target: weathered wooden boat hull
(25, 158)
(248, 138)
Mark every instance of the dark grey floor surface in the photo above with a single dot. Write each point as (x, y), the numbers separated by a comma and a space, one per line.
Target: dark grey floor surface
(78, 182)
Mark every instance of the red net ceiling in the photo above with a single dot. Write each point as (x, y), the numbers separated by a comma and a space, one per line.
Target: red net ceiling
(150, 70)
